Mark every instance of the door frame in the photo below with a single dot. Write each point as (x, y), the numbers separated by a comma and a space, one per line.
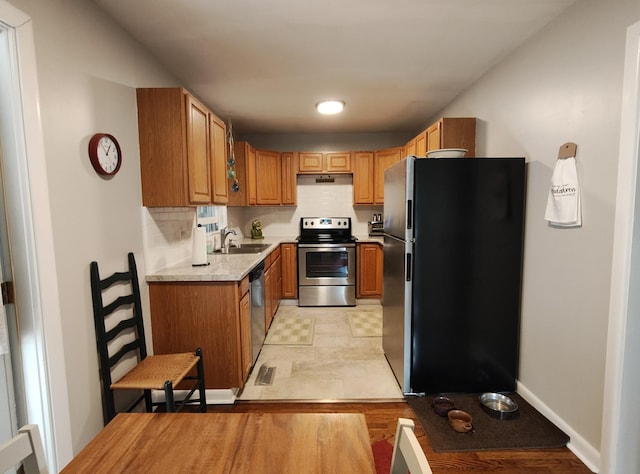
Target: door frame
(34, 268)
(621, 420)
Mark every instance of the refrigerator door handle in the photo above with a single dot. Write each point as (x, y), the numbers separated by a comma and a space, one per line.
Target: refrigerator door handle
(409, 213)
(408, 267)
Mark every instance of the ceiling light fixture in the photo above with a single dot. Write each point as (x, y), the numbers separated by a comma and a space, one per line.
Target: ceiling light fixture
(330, 106)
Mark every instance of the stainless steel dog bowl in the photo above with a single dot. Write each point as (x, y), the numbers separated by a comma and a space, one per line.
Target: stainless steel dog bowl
(498, 405)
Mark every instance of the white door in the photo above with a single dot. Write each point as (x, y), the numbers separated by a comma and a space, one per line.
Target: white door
(8, 417)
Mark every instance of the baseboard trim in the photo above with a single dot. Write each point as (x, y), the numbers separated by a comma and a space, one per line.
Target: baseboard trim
(578, 445)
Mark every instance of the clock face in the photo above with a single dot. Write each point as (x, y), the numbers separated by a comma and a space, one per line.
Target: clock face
(105, 154)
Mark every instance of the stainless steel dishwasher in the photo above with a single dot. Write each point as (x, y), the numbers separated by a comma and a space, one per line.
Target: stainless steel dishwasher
(256, 289)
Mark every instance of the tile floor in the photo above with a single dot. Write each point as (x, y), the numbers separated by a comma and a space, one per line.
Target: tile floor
(336, 367)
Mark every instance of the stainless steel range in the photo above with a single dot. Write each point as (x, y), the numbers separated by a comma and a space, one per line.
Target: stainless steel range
(326, 262)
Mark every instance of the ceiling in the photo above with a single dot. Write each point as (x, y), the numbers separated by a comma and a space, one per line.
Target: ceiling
(265, 63)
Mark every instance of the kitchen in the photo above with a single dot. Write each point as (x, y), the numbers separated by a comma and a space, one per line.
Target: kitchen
(103, 98)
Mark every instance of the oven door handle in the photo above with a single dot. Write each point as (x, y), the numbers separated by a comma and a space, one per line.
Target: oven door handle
(328, 247)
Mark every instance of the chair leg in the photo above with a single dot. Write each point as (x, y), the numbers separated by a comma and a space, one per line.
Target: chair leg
(168, 394)
(148, 404)
(203, 394)
(108, 406)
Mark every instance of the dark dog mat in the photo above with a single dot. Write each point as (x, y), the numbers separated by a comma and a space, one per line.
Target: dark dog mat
(527, 429)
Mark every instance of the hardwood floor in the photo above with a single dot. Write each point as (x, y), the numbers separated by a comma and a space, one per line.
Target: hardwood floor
(382, 419)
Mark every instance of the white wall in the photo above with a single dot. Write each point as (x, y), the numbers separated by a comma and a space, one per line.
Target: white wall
(88, 70)
(564, 85)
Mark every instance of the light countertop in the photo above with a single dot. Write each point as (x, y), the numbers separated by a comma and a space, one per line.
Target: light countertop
(229, 267)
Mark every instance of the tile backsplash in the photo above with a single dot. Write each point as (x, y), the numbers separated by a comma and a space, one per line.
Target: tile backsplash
(167, 230)
(314, 199)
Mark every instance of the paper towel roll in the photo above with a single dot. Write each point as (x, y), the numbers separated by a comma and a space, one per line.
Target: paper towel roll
(199, 248)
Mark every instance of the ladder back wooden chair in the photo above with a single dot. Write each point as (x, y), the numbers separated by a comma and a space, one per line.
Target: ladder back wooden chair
(408, 455)
(124, 341)
(25, 448)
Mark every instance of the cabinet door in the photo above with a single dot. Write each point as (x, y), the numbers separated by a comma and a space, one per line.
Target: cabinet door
(421, 144)
(363, 177)
(252, 186)
(384, 159)
(458, 132)
(161, 135)
(208, 318)
(410, 148)
(220, 188)
(288, 163)
(198, 156)
(310, 162)
(433, 136)
(268, 178)
(276, 268)
(337, 162)
(239, 198)
(369, 270)
(245, 335)
(289, 262)
(268, 299)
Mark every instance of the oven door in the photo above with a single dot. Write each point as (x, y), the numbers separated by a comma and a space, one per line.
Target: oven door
(326, 264)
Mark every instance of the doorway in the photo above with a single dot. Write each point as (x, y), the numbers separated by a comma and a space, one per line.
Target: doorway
(621, 418)
(44, 400)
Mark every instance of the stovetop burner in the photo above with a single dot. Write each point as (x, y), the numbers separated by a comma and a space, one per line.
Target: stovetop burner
(325, 230)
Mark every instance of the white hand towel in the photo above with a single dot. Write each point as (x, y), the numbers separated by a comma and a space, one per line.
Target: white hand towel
(563, 203)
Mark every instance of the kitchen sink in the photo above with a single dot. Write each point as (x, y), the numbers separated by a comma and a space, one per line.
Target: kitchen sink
(246, 248)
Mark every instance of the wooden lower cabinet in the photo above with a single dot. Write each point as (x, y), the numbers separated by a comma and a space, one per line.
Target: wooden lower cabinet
(369, 276)
(272, 285)
(289, 263)
(268, 300)
(245, 335)
(214, 316)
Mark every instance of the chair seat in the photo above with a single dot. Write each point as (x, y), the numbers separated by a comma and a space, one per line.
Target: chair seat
(153, 371)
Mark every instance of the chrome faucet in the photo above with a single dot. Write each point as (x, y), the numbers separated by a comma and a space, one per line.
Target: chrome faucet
(225, 243)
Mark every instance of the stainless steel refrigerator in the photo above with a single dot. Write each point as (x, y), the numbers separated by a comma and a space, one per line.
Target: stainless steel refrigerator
(453, 240)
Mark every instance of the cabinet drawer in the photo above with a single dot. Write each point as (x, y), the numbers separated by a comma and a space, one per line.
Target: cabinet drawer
(244, 285)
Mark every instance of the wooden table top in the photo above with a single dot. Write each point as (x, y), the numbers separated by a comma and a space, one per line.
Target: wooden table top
(229, 443)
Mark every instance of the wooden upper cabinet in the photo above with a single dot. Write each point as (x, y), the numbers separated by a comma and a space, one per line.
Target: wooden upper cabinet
(319, 162)
(198, 152)
(182, 149)
(268, 175)
(220, 183)
(162, 134)
(421, 144)
(383, 159)
(433, 136)
(453, 132)
(337, 162)
(363, 177)
(310, 162)
(266, 178)
(289, 166)
(410, 147)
